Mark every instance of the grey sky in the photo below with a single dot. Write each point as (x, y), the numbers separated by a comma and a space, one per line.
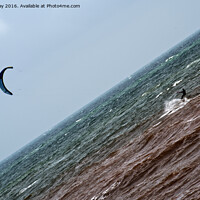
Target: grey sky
(64, 58)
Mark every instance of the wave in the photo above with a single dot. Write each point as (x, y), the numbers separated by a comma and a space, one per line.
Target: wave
(174, 105)
(162, 163)
(26, 188)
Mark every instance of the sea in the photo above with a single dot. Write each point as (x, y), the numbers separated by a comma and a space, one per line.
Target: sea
(104, 125)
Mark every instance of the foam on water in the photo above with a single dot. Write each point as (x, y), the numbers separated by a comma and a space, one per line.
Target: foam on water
(26, 188)
(180, 197)
(144, 94)
(78, 120)
(159, 95)
(192, 119)
(156, 124)
(174, 105)
(170, 58)
(104, 194)
(189, 65)
(176, 83)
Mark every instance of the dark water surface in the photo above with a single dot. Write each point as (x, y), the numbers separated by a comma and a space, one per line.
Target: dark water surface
(106, 124)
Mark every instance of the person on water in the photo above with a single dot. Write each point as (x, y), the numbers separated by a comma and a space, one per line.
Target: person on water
(184, 93)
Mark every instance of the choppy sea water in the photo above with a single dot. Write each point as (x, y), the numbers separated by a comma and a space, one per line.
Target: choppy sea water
(104, 125)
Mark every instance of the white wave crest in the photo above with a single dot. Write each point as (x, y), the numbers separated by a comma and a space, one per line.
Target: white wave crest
(174, 105)
(104, 194)
(26, 188)
(189, 65)
(177, 82)
(78, 120)
(170, 58)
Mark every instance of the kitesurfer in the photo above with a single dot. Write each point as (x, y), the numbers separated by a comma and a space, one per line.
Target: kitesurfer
(184, 93)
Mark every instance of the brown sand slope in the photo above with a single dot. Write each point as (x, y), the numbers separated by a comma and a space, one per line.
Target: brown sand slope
(162, 163)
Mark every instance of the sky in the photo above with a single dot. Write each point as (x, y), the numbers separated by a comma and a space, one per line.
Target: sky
(63, 58)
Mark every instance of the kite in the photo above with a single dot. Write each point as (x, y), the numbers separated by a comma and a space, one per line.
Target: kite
(2, 86)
